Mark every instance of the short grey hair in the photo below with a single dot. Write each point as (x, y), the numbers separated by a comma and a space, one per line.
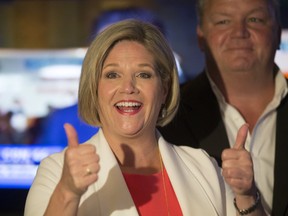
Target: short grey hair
(200, 9)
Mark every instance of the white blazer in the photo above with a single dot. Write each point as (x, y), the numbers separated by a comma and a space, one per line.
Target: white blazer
(195, 177)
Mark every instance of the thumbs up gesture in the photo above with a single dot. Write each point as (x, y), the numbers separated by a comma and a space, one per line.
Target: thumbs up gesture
(81, 164)
(237, 165)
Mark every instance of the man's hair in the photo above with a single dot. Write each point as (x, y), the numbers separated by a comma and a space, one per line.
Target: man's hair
(200, 7)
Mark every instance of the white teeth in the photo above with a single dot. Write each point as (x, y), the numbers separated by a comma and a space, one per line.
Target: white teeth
(128, 104)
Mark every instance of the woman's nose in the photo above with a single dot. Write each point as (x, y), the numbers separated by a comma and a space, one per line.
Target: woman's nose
(129, 86)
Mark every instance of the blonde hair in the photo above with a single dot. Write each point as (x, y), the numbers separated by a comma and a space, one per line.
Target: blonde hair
(153, 40)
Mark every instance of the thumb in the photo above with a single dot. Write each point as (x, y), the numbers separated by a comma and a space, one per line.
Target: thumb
(71, 134)
(241, 137)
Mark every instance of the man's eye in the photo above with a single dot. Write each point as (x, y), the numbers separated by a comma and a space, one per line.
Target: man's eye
(111, 75)
(222, 22)
(255, 20)
(144, 75)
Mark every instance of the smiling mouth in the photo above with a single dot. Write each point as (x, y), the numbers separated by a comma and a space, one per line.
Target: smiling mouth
(240, 48)
(128, 107)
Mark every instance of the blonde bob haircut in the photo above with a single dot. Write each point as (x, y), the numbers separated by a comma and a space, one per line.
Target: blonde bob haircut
(154, 41)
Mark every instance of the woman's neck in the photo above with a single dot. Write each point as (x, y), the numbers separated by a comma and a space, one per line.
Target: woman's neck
(136, 155)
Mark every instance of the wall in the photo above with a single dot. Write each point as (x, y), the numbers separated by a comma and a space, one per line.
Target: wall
(67, 23)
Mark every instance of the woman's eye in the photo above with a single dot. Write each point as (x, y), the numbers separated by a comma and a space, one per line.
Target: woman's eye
(111, 75)
(144, 75)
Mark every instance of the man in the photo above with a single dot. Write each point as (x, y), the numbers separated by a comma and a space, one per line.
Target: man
(240, 84)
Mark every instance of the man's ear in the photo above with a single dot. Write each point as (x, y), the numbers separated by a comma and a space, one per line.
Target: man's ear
(200, 38)
(279, 33)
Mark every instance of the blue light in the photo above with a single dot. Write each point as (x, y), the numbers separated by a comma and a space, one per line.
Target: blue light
(19, 163)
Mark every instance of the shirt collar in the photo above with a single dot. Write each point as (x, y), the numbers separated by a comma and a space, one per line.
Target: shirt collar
(281, 89)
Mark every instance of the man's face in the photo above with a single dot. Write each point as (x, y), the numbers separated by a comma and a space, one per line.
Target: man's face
(239, 35)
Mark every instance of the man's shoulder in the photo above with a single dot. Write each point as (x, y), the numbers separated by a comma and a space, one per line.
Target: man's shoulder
(195, 82)
(196, 87)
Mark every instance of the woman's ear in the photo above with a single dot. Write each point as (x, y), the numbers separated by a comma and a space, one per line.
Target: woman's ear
(165, 93)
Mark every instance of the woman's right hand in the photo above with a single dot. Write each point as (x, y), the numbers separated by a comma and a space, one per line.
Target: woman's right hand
(81, 165)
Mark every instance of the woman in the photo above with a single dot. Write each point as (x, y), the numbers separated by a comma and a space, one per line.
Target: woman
(129, 85)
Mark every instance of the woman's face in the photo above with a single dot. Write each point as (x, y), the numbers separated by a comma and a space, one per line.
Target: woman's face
(130, 91)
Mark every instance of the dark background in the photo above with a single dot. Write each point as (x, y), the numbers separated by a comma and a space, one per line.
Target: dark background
(52, 24)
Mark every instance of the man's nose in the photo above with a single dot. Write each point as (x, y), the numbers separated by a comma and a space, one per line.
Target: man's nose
(240, 30)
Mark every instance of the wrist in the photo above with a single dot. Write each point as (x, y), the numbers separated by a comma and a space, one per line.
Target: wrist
(246, 205)
(66, 194)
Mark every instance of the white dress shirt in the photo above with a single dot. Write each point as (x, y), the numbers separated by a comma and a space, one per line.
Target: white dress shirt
(261, 143)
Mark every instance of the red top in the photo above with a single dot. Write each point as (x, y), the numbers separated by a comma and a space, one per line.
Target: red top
(149, 194)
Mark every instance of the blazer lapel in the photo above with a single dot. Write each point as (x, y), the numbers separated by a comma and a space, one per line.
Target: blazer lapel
(193, 190)
(109, 195)
(280, 194)
(206, 120)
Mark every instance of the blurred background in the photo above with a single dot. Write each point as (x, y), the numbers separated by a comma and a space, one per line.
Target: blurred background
(42, 45)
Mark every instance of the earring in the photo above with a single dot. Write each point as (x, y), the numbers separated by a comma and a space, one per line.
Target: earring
(163, 111)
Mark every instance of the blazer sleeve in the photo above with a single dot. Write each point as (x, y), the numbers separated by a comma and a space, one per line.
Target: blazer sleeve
(47, 177)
